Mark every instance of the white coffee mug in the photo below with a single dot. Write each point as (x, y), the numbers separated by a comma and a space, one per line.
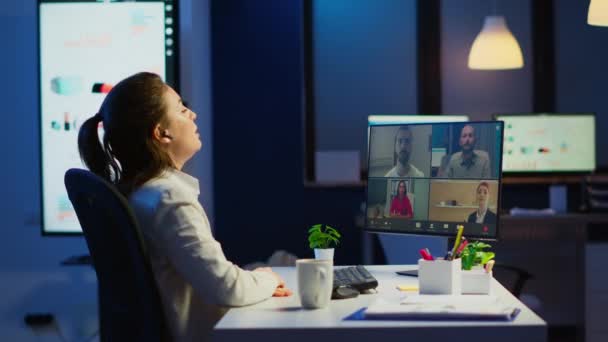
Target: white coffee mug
(315, 282)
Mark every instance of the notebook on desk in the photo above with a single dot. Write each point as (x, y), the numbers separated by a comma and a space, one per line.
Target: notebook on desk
(442, 307)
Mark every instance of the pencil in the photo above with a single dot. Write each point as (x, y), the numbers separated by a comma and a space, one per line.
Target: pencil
(457, 241)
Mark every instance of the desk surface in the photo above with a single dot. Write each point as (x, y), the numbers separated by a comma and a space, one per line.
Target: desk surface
(282, 319)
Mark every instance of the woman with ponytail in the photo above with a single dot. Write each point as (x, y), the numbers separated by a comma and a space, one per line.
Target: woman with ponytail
(149, 134)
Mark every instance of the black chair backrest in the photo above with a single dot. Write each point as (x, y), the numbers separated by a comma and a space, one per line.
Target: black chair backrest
(130, 307)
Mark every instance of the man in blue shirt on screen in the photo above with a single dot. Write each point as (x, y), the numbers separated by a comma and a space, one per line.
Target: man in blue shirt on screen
(469, 163)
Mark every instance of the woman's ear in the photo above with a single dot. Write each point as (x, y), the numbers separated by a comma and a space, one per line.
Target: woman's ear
(160, 135)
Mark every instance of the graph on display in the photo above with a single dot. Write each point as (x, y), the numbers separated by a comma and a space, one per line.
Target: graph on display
(85, 48)
(549, 143)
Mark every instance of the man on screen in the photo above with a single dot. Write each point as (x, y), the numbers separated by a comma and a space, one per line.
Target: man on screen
(401, 155)
(469, 163)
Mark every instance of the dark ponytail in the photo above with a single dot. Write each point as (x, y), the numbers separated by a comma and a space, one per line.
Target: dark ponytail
(90, 149)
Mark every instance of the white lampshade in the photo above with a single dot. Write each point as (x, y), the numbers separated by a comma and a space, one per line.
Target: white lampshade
(495, 48)
(598, 13)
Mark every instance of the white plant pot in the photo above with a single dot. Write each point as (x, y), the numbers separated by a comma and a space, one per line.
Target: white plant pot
(476, 281)
(324, 253)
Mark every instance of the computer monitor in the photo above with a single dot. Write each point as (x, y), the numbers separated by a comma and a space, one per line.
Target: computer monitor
(548, 143)
(85, 47)
(413, 189)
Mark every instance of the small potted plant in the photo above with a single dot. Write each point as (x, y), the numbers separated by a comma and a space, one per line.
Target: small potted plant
(475, 278)
(322, 238)
(474, 254)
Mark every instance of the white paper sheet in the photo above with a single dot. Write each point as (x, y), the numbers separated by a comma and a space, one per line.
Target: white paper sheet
(433, 307)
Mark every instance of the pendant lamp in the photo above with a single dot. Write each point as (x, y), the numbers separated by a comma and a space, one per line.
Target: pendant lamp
(598, 13)
(495, 48)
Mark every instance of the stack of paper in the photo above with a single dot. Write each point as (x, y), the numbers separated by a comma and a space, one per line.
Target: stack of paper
(443, 307)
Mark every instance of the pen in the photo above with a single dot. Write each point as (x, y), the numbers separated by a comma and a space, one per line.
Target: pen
(463, 244)
(489, 266)
(425, 255)
(429, 253)
(457, 241)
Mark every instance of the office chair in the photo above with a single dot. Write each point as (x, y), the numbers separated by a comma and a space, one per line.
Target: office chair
(130, 307)
(517, 280)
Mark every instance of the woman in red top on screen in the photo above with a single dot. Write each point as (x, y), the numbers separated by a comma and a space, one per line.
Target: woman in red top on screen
(401, 206)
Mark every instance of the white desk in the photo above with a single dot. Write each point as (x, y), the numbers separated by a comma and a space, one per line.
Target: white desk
(282, 319)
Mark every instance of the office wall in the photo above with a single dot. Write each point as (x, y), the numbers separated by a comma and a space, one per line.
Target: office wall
(261, 203)
(481, 93)
(30, 276)
(365, 63)
(580, 64)
(21, 246)
(195, 82)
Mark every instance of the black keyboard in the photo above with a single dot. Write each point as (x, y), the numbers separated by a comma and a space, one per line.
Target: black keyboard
(357, 277)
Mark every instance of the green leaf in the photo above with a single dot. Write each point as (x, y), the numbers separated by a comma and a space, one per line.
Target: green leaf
(322, 236)
(487, 256)
(316, 234)
(482, 245)
(467, 259)
(334, 233)
(316, 227)
(474, 254)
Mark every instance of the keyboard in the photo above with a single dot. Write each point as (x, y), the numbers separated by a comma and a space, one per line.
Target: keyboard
(357, 277)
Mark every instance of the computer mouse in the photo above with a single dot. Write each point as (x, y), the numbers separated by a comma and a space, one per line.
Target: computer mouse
(343, 292)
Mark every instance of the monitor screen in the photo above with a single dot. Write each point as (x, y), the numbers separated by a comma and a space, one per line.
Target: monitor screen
(85, 47)
(399, 119)
(374, 120)
(428, 179)
(548, 142)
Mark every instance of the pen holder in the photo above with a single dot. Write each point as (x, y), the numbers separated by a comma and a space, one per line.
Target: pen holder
(439, 276)
(476, 281)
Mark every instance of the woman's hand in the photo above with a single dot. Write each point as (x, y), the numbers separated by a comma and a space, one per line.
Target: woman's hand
(281, 290)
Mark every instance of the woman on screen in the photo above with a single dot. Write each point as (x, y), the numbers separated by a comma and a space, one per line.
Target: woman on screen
(400, 205)
(483, 214)
(149, 135)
